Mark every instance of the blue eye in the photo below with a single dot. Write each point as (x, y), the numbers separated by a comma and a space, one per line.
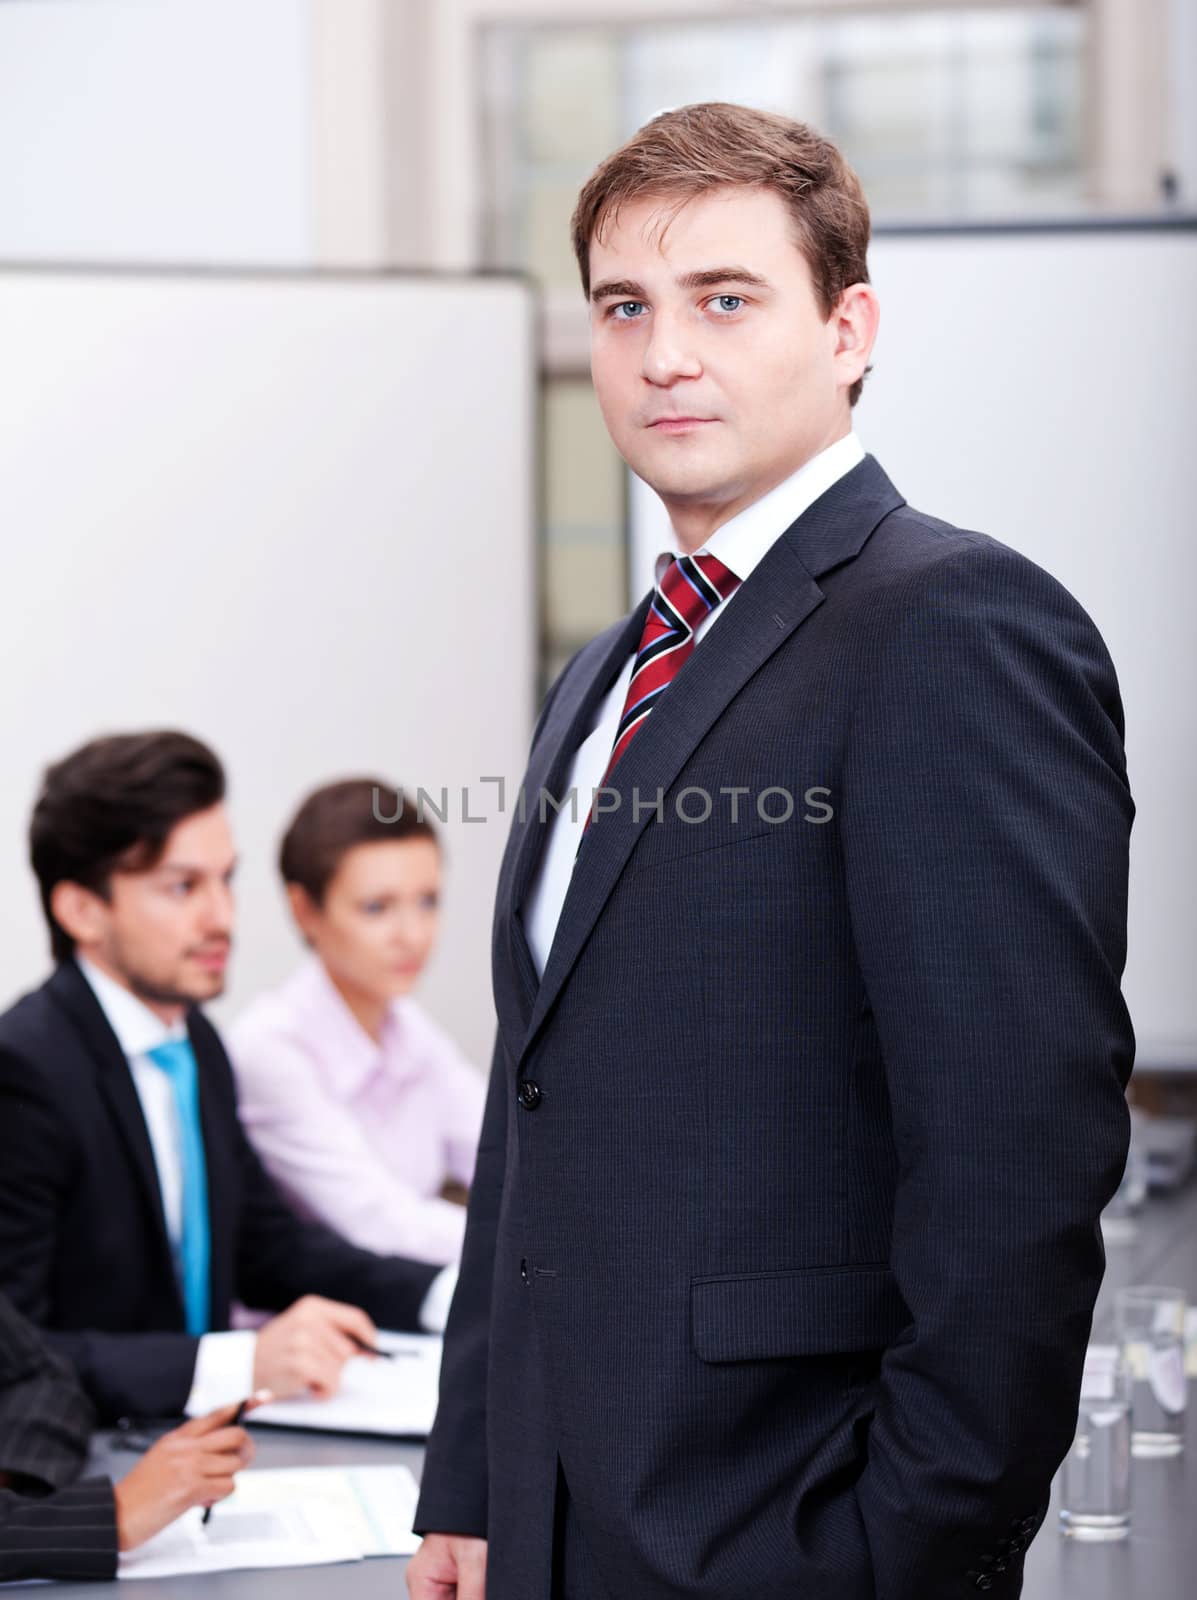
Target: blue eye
(622, 305)
(724, 298)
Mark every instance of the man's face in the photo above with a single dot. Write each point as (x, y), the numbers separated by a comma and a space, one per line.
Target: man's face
(716, 372)
(166, 933)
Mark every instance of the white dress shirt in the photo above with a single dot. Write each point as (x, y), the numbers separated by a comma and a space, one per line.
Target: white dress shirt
(739, 544)
(224, 1363)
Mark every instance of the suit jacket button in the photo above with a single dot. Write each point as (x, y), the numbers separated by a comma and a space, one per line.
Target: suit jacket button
(982, 1581)
(524, 1269)
(529, 1094)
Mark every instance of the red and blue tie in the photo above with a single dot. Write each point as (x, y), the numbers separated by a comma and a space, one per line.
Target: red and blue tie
(690, 589)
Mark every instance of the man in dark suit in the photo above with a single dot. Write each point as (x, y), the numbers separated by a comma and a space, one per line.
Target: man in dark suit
(54, 1524)
(132, 1207)
(809, 1083)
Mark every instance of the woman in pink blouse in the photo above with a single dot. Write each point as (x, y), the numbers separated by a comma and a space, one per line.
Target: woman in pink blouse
(360, 1105)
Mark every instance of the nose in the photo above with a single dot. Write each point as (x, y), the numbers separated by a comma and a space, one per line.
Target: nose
(218, 909)
(669, 352)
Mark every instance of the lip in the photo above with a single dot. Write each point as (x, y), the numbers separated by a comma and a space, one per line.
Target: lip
(680, 424)
(214, 960)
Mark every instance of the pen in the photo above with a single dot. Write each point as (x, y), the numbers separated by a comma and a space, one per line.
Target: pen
(238, 1417)
(371, 1350)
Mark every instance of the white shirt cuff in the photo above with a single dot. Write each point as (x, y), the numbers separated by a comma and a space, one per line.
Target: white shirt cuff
(434, 1312)
(224, 1371)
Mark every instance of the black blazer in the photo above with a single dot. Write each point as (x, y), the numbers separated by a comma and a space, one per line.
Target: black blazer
(784, 1236)
(83, 1243)
(45, 1429)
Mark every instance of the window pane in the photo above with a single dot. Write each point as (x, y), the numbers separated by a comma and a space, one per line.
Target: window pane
(943, 113)
(584, 569)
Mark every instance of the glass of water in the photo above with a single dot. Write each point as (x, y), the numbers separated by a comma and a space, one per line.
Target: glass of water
(1151, 1331)
(1095, 1478)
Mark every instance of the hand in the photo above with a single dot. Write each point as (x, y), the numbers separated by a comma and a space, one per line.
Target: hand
(193, 1466)
(448, 1566)
(308, 1345)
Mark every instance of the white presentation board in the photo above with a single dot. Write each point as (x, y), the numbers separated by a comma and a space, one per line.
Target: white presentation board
(1039, 385)
(294, 515)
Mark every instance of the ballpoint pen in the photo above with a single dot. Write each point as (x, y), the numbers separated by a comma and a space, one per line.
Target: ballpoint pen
(238, 1417)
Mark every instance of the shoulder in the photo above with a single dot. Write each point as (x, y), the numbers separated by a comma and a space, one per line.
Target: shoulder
(35, 1039)
(914, 556)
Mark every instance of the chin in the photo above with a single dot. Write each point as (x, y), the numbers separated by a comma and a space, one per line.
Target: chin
(677, 479)
(206, 986)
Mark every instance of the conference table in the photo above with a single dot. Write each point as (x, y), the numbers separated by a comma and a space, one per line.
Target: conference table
(1157, 1562)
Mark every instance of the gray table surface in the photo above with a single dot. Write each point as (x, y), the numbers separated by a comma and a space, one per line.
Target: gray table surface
(1157, 1562)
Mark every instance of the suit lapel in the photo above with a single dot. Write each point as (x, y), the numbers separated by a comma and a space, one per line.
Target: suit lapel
(566, 724)
(223, 1191)
(115, 1078)
(775, 599)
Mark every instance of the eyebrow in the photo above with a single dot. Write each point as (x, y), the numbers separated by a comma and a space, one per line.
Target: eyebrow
(191, 871)
(628, 289)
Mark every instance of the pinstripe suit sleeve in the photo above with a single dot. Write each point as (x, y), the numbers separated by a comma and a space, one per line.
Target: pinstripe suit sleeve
(46, 1419)
(985, 824)
(45, 1428)
(69, 1534)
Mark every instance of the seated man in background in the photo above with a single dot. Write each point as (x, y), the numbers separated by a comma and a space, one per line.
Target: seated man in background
(360, 1106)
(51, 1524)
(132, 1207)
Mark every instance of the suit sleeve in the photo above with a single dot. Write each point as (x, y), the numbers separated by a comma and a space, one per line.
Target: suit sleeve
(69, 1534)
(45, 1431)
(453, 1490)
(985, 825)
(46, 1419)
(126, 1374)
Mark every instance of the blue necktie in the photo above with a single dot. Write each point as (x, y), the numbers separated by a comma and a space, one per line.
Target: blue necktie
(177, 1059)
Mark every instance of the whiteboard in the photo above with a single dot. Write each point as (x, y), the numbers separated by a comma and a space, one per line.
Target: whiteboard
(294, 515)
(1040, 386)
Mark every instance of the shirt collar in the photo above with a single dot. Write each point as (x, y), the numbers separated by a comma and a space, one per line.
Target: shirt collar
(137, 1028)
(351, 1056)
(743, 540)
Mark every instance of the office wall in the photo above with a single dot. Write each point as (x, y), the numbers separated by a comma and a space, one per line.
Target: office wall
(137, 131)
(1039, 386)
(295, 516)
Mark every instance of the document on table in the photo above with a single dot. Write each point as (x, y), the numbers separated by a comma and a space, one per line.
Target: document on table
(395, 1397)
(288, 1517)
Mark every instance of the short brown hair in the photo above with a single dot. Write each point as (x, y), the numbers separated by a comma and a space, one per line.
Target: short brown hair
(110, 806)
(712, 145)
(338, 816)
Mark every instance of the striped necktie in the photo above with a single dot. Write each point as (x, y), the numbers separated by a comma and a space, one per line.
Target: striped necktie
(690, 589)
(176, 1059)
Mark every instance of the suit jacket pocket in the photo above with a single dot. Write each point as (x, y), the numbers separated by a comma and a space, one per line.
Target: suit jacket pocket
(756, 1316)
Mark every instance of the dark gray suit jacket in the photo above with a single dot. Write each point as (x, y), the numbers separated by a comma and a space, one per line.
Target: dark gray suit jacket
(785, 1235)
(51, 1526)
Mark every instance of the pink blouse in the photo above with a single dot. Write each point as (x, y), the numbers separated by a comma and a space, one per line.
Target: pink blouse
(357, 1134)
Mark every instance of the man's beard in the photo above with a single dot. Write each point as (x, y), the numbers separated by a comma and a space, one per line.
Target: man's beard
(163, 995)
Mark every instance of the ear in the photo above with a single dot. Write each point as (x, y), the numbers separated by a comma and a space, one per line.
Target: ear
(80, 912)
(854, 322)
(303, 909)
